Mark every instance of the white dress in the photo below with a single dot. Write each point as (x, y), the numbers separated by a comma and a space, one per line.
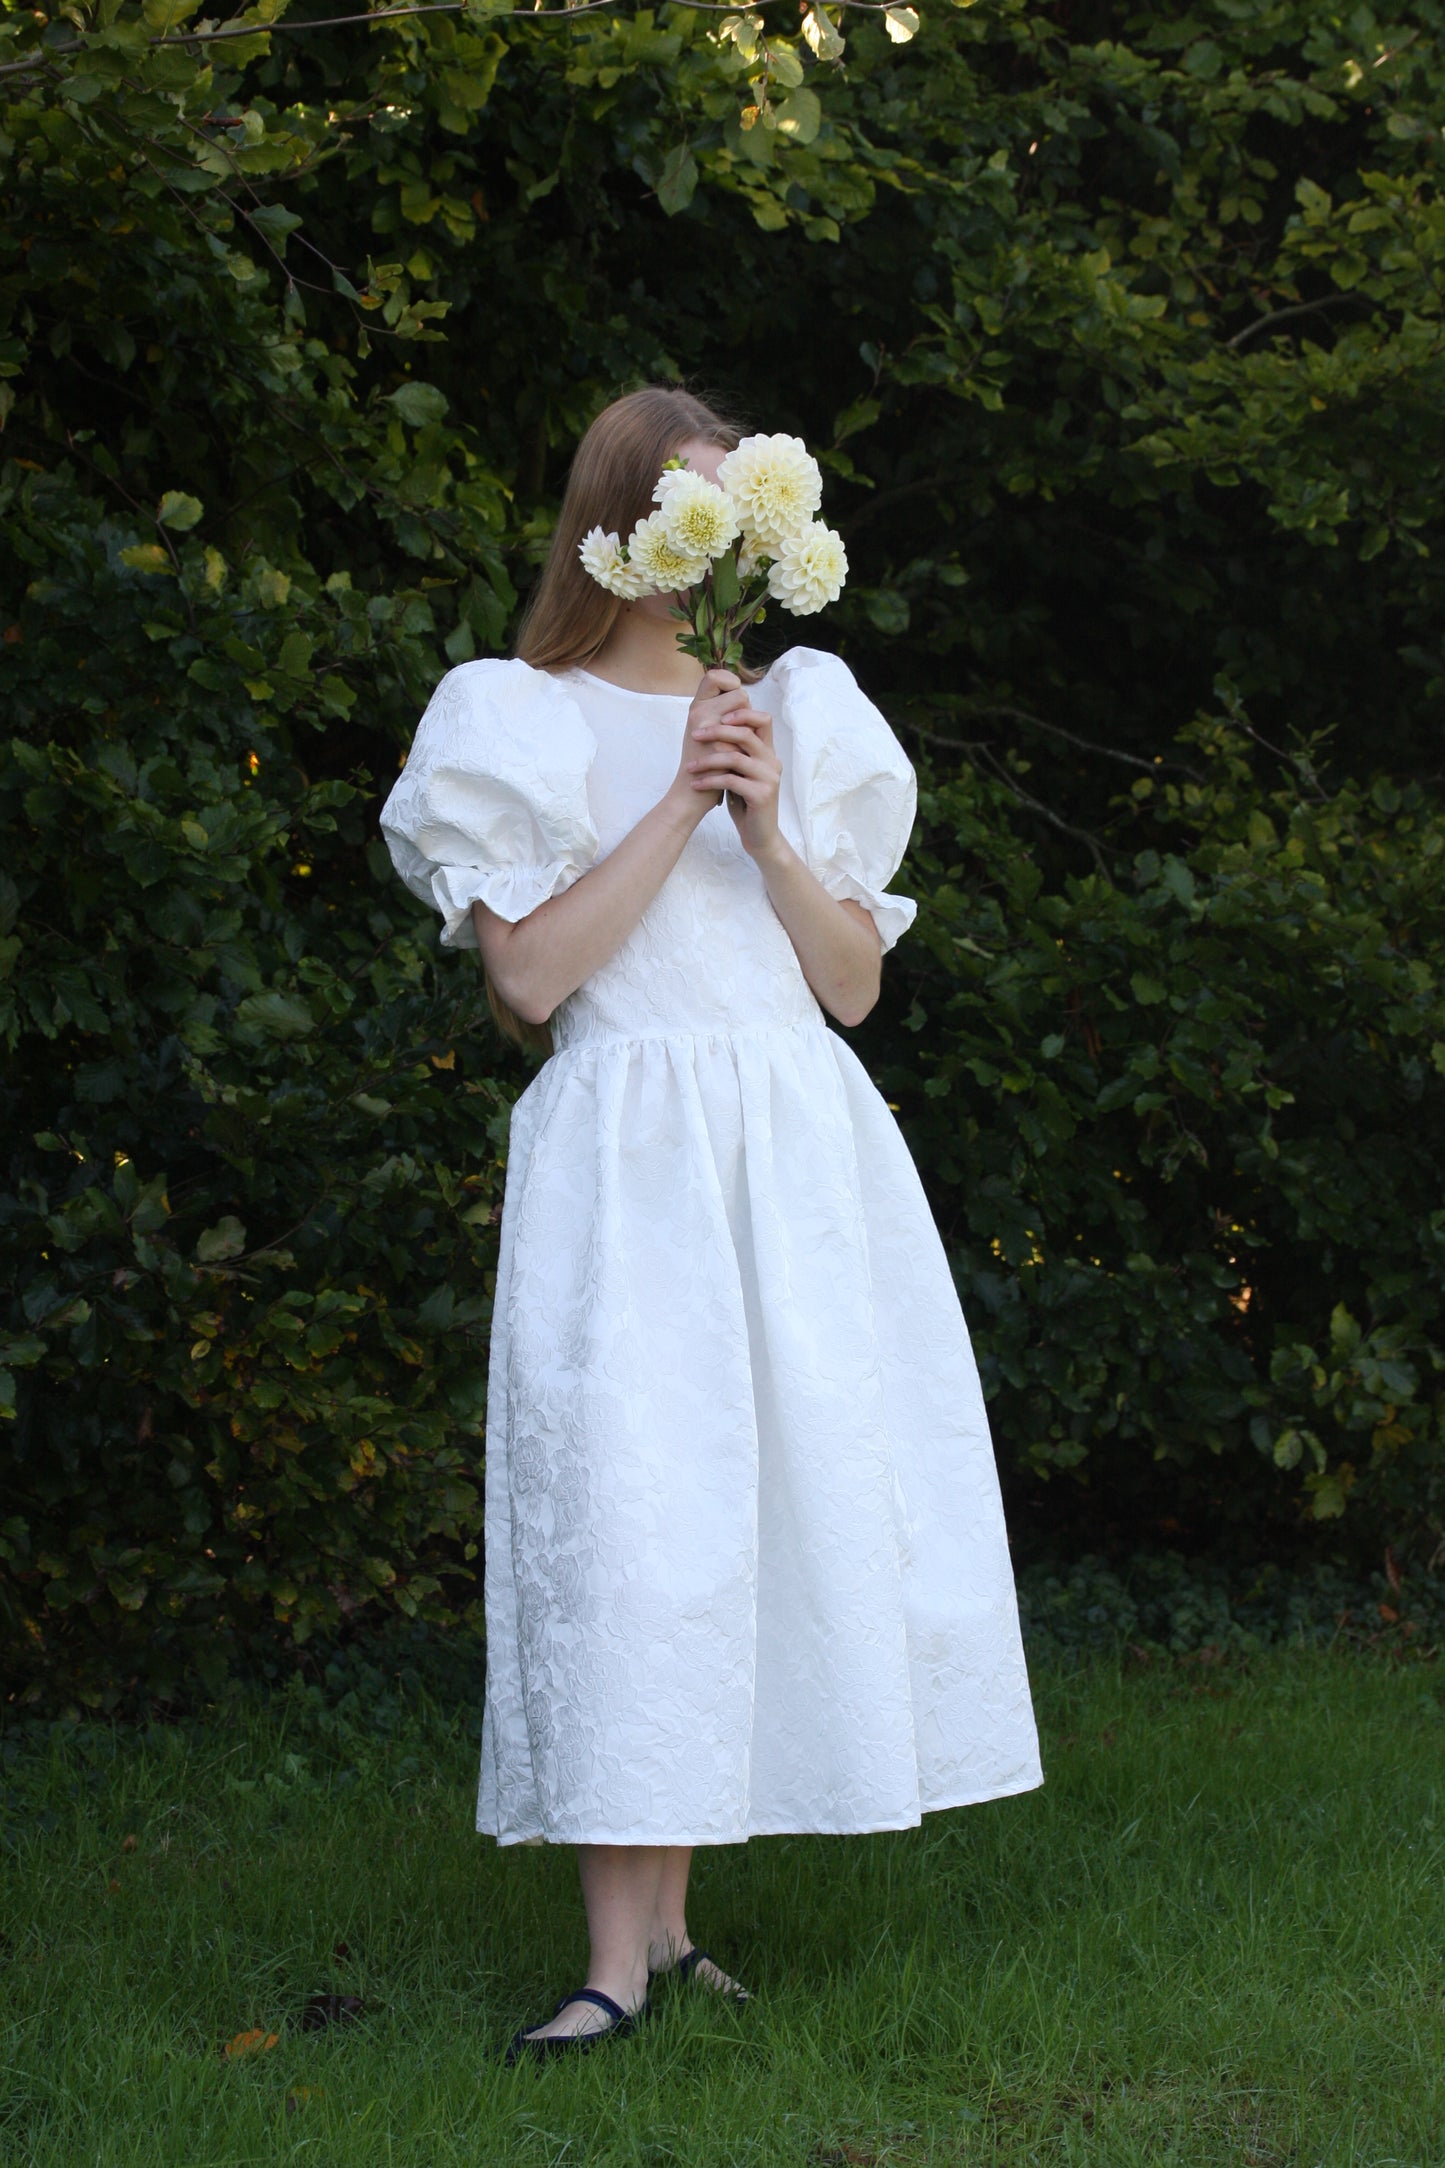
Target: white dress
(746, 1567)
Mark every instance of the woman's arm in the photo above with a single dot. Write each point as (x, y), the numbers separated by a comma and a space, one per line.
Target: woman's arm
(835, 939)
(542, 958)
(545, 956)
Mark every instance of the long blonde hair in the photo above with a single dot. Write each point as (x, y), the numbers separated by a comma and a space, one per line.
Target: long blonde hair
(568, 616)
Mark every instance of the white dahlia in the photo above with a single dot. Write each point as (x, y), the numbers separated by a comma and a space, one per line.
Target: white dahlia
(776, 486)
(700, 519)
(653, 553)
(601, 555)
(809, 570)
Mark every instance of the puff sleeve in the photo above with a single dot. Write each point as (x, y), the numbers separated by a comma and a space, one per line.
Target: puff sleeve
(492, 802)
(853, 786)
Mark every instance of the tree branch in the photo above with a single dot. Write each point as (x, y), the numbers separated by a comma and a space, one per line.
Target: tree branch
(47, 60)
(1070, 737)
(1281, 316)
(978, 750)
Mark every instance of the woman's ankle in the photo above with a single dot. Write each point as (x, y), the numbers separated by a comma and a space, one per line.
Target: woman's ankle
(667, 1943)
(626, 1985)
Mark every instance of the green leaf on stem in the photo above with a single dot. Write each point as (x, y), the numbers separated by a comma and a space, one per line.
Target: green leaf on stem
(677, 181)
(725, 588)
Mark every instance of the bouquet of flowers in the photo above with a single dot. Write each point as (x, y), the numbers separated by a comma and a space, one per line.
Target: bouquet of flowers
(727, 548)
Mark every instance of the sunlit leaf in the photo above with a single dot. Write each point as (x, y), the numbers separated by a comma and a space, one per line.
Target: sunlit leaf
(822, 34)
(179, 511)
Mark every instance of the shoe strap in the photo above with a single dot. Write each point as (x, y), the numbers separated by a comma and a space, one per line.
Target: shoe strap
(685, 1967)
(594, 1995)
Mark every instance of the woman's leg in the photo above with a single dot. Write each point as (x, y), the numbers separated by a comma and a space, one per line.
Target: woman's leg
(636, 1899)
(620, 1888)
(670, 1939)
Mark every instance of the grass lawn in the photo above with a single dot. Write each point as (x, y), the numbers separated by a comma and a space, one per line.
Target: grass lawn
(1216, 1935)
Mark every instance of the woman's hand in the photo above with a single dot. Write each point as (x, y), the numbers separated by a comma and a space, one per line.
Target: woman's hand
(719, 695)
(729, 747)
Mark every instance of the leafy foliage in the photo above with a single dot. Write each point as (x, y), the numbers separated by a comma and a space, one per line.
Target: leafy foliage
(1159, 1606)
(249, 1366)
(1183, 1124)
(1119, 332)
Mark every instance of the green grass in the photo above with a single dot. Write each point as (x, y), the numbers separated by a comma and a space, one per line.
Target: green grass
(1217, 1935)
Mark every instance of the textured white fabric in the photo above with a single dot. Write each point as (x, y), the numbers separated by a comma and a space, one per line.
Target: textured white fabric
(853, 787)
(746, 1565)
(492, 802)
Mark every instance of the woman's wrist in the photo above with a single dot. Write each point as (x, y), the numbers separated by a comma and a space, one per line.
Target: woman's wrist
(680, 809)
(774, 856)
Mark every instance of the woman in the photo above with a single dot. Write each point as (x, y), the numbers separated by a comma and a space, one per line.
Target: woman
(746, 1566)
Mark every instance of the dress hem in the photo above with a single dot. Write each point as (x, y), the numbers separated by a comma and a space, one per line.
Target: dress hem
(1029, 1783)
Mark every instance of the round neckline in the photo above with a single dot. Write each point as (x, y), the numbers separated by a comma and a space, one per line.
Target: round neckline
(628, 692)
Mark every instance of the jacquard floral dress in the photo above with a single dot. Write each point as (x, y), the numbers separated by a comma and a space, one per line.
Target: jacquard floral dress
(746, 1567)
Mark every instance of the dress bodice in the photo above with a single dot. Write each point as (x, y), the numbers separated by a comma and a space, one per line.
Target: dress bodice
(709, 953)
(519, 780)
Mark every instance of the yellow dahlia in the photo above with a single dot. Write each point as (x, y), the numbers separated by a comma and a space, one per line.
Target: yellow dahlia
(809, 570)
(700, 520)
(602, 556)
(653, 553)
(776, 486)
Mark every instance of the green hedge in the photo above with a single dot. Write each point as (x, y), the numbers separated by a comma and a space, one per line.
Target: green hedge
(1184, 1129)
(255, 1158)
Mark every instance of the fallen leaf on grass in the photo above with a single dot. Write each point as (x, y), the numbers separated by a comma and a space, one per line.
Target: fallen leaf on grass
(324, 2010)
(129, 1844)
(254, 2042)
(302, 2094)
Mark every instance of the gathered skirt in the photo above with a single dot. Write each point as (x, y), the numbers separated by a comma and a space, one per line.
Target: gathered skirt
(746, 1566)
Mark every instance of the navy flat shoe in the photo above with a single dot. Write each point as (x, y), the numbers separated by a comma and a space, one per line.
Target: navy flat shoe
(623, 2022)
(688, 1964)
